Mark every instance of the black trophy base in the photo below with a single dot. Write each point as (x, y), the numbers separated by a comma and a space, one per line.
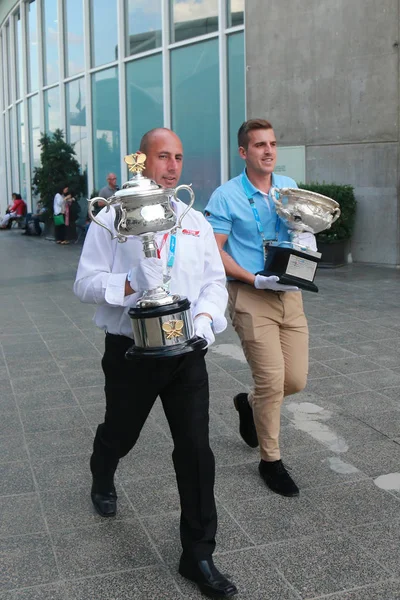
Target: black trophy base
(280, 260)
(193, 345)
(140, 350)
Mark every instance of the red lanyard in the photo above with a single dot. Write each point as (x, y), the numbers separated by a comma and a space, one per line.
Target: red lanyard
(164, 241)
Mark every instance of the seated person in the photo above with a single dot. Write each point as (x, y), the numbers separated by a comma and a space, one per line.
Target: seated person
(15, 210)
(33, 220)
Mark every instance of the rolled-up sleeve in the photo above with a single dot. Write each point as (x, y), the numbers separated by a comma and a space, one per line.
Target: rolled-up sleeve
(218, 214)
(95, 283)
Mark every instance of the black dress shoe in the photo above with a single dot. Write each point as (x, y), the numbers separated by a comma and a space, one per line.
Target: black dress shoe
(277, 478)
(209, 580)
(247, 429)
(104, 498)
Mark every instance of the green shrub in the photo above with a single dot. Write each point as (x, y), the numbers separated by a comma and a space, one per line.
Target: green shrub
(342, 229)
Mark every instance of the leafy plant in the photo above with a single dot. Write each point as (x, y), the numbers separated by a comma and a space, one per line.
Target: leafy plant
(343, 228)
(59, 168)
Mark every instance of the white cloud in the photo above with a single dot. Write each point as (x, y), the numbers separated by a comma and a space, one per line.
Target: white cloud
(188, 10)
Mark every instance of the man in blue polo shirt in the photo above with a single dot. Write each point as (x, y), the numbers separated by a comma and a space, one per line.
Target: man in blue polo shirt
(267, 316)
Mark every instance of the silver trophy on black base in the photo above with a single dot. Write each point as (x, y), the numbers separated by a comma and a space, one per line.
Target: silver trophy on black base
(162, 322)
(301, 211)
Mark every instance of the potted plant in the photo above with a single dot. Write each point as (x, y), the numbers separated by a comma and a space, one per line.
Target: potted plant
(334, 243)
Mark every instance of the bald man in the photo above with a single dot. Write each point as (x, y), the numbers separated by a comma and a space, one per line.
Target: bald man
(108, 190)
(114, 276)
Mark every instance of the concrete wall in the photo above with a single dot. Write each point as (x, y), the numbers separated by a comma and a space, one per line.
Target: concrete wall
(326, 74)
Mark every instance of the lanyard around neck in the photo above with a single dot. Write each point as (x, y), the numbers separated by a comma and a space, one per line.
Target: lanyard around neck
(250, 198)
(171, 251)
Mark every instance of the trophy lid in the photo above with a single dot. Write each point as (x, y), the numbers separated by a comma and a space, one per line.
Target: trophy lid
(138, 184)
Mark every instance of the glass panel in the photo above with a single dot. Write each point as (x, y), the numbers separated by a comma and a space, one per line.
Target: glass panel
(34, 131)
(236, 98)
(235, 12)
(191, 18)
(50, 43)
(21, 149)
(106, 142)
(33, 46)
(8, 59)
(74, 48)
(143, 25)
(144, 98)
(18, 56)
(52, 114)
(10, 146)
(195, 115)
(76, 120)
(104, 32)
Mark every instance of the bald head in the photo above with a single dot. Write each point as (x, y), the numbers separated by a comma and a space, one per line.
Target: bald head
(164, 153)
(112, 180)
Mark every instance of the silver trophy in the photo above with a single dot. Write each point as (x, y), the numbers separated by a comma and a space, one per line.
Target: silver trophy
(162, 322)
(301, 211)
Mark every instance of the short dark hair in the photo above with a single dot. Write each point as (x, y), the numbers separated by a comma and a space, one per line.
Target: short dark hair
(251, 125)
(16, 196)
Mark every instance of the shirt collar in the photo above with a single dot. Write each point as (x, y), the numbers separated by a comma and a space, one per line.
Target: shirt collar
(251, 188)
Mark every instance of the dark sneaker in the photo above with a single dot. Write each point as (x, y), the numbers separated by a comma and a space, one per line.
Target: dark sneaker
(277, 478)
(247, 429)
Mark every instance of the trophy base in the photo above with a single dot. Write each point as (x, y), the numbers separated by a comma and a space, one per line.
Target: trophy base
(163, 331)
(193, 345)
(292, 266)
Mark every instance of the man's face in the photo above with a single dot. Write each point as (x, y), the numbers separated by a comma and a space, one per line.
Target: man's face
(112, 181)
(164, 159)
(260, 154)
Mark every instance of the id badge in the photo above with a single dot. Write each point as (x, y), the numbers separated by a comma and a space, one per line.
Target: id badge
(266, 245)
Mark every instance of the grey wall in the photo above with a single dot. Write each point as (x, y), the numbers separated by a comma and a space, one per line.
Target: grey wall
(326, 74)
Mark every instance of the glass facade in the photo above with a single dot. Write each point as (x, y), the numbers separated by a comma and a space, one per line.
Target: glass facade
(106, 72)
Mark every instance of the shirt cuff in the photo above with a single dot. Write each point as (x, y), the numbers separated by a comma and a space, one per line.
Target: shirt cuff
(115, 291)
(219, 321)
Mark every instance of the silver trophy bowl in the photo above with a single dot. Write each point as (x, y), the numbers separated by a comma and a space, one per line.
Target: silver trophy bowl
(162, 322)
(303, 210)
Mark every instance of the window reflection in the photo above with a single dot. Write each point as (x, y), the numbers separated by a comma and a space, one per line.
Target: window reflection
(143, 25)
(236, 98)
(106, 142)
(104, 32)
(195, 88)
(32, 46)
(34, 131)
(144, 98)
(76, 120)
(18, 55)
(21, 149)
(74, 37)
(52, 115)
(191, 18)
(235, 13)
(50, 45)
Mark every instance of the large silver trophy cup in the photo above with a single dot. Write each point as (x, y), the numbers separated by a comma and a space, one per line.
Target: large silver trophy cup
(162, 322)
(301, 211)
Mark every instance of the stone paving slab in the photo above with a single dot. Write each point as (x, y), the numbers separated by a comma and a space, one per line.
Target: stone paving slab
(341, 437)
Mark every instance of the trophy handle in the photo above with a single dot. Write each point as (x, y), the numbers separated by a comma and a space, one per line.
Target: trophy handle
(192, 197)
(109, 202)
(336, 214)
(273, 191)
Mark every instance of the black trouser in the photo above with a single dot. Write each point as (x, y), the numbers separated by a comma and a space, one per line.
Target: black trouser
(182, 383)
(59, 232)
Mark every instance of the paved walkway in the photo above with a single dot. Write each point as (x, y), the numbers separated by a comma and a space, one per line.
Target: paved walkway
(340, 539)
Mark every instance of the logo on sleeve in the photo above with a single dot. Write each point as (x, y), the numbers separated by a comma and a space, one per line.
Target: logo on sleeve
(193, 232)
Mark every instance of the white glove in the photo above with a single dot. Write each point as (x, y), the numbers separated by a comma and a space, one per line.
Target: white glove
(306, 239)
(147, 275)
(271, 283)
(202, 328)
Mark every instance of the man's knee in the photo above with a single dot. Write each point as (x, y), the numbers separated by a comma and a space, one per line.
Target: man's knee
(295, 384)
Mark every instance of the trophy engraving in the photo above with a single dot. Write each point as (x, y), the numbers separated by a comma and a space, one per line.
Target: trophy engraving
(162, 322)
(302, 211)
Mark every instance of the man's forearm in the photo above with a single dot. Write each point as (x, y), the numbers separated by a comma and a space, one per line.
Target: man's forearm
(232, 269)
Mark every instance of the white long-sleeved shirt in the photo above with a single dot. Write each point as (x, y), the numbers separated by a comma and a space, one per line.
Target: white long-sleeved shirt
(58, 204)
(198, 273)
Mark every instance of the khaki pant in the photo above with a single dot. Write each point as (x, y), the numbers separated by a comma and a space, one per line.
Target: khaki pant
(273, 331)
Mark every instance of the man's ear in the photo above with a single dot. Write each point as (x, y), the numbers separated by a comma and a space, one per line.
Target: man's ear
(242, 152)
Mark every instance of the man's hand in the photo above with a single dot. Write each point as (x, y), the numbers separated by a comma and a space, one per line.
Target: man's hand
(307, 239)
(271, 283)
(203, 329)
(147, 275)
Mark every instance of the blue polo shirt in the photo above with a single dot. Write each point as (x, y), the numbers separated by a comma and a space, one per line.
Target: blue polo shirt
(229, 212)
